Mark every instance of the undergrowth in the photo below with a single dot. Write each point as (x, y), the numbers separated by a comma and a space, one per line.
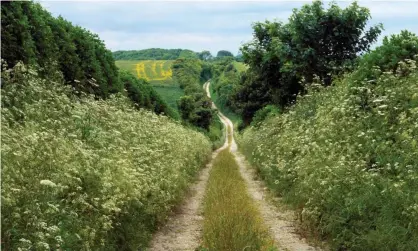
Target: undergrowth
(345, 157)
(85, 174)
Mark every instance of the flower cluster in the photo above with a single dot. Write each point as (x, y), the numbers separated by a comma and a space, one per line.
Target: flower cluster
(85, 174)
(346, 158)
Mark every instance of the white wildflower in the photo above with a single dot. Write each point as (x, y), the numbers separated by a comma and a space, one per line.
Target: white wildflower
(48, 183)
(23, 240)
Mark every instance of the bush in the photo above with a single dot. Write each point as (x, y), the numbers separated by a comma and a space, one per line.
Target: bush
(345, 158)
(86, 174)
(395, 49)
(264, 113)
(195, 106)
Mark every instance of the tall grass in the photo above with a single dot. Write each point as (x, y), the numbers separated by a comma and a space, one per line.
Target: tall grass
(232, 220)
(346, 158)
(86, 174)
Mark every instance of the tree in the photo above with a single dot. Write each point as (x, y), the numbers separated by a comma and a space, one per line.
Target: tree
(17, 43)
(42, 36)
(205, 55)
(284, 58)
(186, 106)
(224, 53)
(143, 95)
(54, 46)
(239, 58)
(206, 72)
(148, 54)
(69, 62)
(188, 54)
(195, 106)
(251, 96)
(394, 49)
(202, 117)
(323, 41)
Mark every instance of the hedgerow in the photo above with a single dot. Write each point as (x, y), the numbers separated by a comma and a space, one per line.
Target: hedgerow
(85, 174)
(346, 156)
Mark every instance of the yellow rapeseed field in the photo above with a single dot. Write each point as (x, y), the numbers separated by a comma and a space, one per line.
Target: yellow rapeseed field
(150, 70)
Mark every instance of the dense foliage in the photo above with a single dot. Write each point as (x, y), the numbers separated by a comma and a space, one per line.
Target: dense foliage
(225, 78)
(195, 107)
(345, 156)
(226, 75)
(31, 35)
(395, 48)
(154, 54)
(205, 55)
(284, 58)
(80, 173)
(224, 53)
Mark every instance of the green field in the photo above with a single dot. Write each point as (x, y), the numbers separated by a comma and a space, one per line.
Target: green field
(151, 70)
(158, 73)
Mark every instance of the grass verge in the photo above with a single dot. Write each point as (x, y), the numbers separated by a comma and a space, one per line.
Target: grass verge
(232, 220)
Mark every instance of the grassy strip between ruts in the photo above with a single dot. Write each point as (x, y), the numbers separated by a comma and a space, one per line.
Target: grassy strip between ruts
(232, 220)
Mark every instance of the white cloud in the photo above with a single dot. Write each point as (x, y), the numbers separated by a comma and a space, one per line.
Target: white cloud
(198, 25)
(394, 9)
(193, 41)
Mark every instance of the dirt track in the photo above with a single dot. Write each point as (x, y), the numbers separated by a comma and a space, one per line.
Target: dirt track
(183, 230)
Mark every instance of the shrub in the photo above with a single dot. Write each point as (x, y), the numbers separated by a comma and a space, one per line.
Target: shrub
(87, 174)
(264, 113)
(345, 158)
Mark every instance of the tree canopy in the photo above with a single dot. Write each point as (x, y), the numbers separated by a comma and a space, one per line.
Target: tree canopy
(224, 53)
(195, 106)
(205, 55)
(31, 35)
(315, 43)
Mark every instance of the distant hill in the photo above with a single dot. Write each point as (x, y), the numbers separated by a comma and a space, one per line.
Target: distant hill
(154, 54)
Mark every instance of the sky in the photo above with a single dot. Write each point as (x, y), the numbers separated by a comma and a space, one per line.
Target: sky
(203, 25)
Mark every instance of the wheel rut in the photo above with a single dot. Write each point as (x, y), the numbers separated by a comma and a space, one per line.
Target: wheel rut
(183, 230)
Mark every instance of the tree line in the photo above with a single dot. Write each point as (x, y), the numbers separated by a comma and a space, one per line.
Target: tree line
(31, 35)
(195, 106)
(284, 58)
(171, 54)
(153, 54)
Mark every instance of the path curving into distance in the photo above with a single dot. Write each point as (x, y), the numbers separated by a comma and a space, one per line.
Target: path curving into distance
(183, 230)
(280, 223)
